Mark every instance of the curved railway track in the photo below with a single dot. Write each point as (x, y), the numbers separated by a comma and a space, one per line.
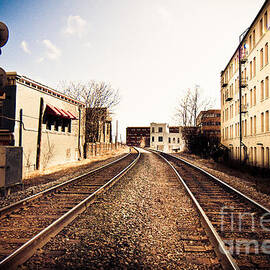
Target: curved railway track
(30, 223)
(238, 226)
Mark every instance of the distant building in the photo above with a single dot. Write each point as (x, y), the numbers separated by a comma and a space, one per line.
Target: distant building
(252, 89)
(209, 122)
(98, 125)
(165, 138)
(138, 136)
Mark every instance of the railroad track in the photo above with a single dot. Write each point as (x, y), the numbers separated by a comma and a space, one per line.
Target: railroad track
(238, 226)
(30, 223)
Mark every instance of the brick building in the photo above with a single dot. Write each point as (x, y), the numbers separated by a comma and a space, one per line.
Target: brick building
(209, 122)
(138, 136)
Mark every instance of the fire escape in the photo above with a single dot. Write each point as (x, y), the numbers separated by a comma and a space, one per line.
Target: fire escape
(243, 52)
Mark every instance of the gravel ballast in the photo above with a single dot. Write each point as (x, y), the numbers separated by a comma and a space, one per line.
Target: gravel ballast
(246, 187)
(146, 221)
(38, 183)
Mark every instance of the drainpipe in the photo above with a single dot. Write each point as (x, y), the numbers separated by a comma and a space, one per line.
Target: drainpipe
(39, 134)
(21, 126)
(79, 135)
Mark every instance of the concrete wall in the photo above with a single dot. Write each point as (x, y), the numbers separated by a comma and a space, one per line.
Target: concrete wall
(99, 149)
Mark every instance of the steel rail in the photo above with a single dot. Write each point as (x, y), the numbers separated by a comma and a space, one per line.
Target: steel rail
(22, 203)
(23, 253)
(239, 193)
(227, 261)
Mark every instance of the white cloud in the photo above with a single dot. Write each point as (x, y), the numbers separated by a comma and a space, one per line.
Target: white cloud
(25, 48)
(40, 59)
(52, 51)
(87, 44)
(164, 14)
(76, 26)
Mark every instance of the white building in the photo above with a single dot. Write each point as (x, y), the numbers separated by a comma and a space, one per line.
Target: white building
(165, 138)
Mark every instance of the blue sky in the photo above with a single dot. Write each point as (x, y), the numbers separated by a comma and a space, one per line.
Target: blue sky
(151, 50)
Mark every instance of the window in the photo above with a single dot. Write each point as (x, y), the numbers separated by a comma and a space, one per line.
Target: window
(261, 27)
(63, 126)
(153, 138)
(254, 66)
(153, 130)
(56, 125)
(251, 125)
(178, 140)
(261, 58)
(160, 139)
(173, 140)
(160, 129)
(250, 42)
(254, 96)
(169, 140)
(267, 164)
(265, 21)
(251, 155)
(254, 39)
(266, 54)
(267, 121)
(267, 87)
(262, 122)
(262, 90)
(255, 123)
(250, 70)
(250, 96)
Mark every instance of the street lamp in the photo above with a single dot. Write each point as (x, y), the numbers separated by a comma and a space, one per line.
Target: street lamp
(240, 94)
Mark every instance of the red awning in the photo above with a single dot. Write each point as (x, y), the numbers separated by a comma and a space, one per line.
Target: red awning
(66, 115)
(52, 110)
(63, 113)
(72, 116)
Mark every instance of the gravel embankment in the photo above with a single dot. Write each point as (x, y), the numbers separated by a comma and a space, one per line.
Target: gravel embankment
(146, 221)
(246, 187)
(41, 182)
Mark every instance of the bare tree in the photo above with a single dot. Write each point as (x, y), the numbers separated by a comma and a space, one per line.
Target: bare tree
(182, 112)
(100, 99)
(190, 105)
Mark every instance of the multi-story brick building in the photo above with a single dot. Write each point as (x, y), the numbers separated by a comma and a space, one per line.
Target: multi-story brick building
(138, 136)
(209, 122)
(251, 90)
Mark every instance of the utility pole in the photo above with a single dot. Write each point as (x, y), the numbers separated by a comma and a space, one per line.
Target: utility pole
(116, 134)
